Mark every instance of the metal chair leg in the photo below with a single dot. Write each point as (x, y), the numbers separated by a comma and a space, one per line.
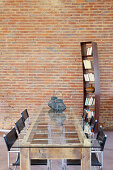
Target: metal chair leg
(9, 160)
(28, 123)
(49, 162)
(102, 159)
(16, 159)
(15, 167)
(64, 164)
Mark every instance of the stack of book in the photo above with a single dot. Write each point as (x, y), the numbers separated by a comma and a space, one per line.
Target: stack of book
(90, 101)
(89, 77)
(87, 64)
(89, 51)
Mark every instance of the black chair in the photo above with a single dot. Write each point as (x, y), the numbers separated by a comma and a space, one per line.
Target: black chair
(10, 139)
(84, 116)
(20, 124)
(101, 137)
(84, 119)
(95, 159)
(25, 116)
(93, 124)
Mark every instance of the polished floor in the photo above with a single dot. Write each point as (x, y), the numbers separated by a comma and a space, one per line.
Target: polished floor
(56, 165)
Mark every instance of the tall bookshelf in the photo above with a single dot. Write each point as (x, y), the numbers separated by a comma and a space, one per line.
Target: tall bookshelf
(91, 101)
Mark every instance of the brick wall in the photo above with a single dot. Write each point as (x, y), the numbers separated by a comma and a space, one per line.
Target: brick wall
(40, 54)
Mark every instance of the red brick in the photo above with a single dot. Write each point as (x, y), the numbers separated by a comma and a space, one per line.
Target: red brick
(40, 53)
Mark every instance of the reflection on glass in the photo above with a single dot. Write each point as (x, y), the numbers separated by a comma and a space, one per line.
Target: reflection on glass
(58, 117)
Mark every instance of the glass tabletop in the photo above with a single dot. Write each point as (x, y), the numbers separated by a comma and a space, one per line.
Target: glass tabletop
(55, 130)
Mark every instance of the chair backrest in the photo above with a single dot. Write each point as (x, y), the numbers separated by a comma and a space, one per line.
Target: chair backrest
(25, 114)
(86, 115)
(83, 114)
(20, 124)
(94, 126)
(101, 137)
(92, 120)
(93, 123)
(10, 138)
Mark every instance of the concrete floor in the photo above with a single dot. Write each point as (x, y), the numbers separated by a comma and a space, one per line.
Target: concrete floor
(108, 157)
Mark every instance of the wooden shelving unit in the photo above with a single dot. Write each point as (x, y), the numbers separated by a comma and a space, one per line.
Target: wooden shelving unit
(91, 72)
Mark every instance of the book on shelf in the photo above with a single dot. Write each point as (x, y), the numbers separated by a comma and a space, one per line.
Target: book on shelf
(86, 101)
(89, 51)
(90, 101)
(87, 64)
(89, 77)
(86, 77)
(93, 103)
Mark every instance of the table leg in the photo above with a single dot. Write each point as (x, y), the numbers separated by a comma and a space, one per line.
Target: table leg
(24, 159)
(86, 159)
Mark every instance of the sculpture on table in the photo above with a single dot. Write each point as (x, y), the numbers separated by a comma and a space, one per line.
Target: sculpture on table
(57, 104)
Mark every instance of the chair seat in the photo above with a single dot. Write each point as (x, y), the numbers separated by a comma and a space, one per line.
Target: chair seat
(33, 161)
(94, 161)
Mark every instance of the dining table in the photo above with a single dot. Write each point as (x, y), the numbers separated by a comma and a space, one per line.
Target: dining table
(55, 135)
